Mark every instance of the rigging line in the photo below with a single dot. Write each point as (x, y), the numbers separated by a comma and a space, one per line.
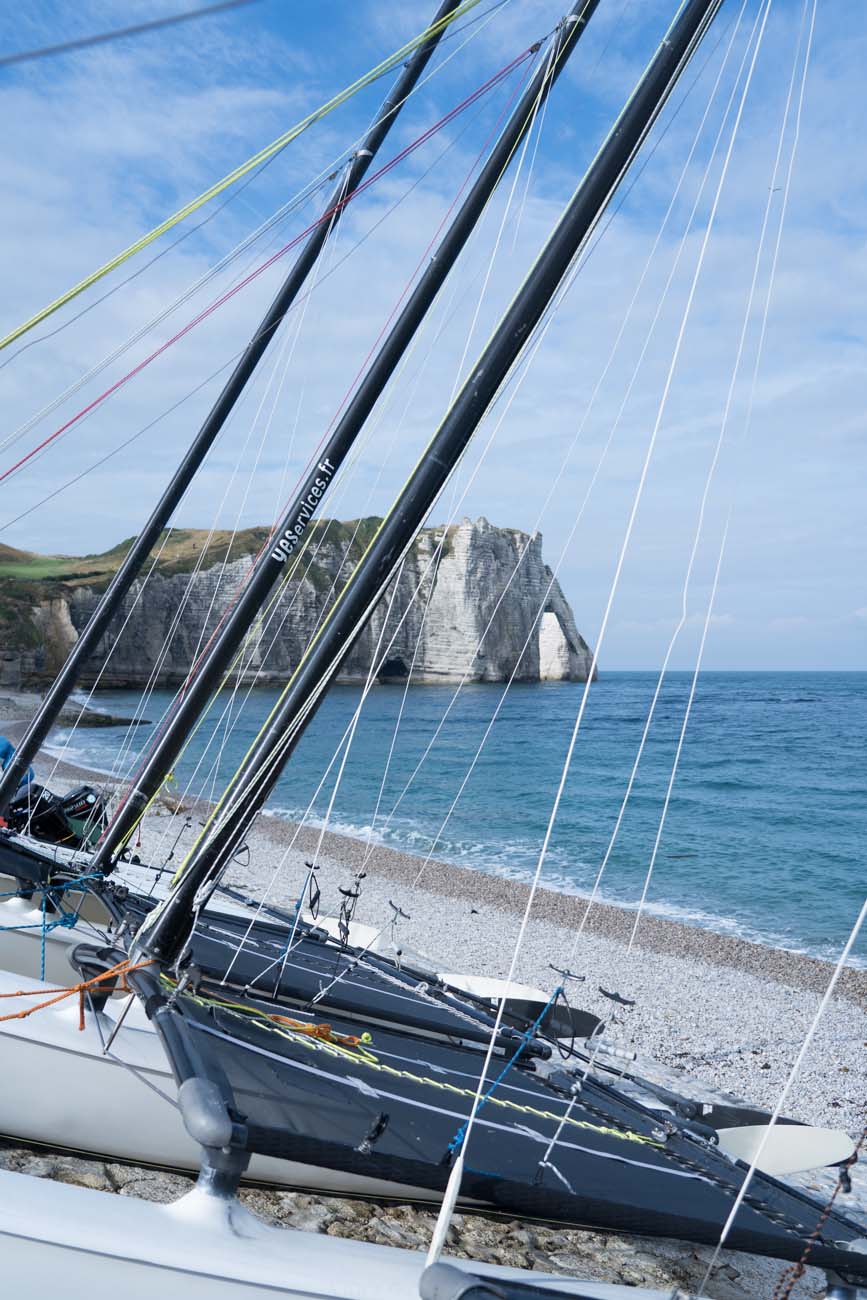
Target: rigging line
(386, 65)
(404, 365)
(134, 275)
(309, 191)
(300, 323)
(538, 127)
(287, 739)
(225, 365)
(594, 891)
(333, 796)
(269, 262)
(444, 534)
(636, 502)
(765, 317)
(660, 412)
(182, 604)
(115, 773)
(862, 917)
(359, 449)
(658, 421)
(793, 1074)
(216, 822)
(518, 377)
(595, 393)
(520, 372)
(368, 852)
(711, 473)
(210, 275)
(440, 544)
(272, 609)
(60, 756)
(343, 741)
(189, 293)
(445, 1213)
(284, 363)
(319, 273)
(120, 33)
(689, 703)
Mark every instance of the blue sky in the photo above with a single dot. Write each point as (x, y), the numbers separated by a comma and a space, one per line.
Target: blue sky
(100, 145)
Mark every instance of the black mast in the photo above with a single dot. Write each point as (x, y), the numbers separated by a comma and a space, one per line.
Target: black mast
(272, 565)
(164, 938)
(29, 745)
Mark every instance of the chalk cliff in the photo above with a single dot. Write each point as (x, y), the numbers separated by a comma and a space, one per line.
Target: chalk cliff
(487, 608)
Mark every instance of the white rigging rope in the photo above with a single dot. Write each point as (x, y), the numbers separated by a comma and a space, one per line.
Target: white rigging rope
(519, 372)
(751, 297)
(118, 763)
(840, 966)
(717, 451)
(346, 740)
(450, 1195)
(370, 430)
(512, 385)
(649, 263)
(315, 541)
(305, 193)
(541, 99)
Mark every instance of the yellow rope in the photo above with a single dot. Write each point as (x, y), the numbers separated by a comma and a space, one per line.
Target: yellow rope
(361, 1055)
(239, 172)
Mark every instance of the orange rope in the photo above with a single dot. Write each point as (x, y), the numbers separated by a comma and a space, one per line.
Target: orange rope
(122, 969)
(325, 1032)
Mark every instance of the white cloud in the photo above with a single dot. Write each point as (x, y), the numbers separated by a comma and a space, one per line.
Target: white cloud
(104, 146)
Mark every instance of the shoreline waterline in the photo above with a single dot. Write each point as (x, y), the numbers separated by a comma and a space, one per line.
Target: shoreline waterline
(763, 834)
(565, 909)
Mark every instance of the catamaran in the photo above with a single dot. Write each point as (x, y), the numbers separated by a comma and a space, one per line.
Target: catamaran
(443, 1096)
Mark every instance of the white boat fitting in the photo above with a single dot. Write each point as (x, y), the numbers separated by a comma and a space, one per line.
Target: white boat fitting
(63, 1240)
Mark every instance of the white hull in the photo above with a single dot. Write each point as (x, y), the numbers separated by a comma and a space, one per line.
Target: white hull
(69, 1094)
(61, 1240)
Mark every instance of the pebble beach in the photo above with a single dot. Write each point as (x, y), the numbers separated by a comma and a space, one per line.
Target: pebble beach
(728, 1012)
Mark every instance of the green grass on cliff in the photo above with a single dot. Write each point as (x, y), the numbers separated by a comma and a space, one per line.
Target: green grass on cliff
(29, 580)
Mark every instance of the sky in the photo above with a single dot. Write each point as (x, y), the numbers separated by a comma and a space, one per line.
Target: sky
(103, 144)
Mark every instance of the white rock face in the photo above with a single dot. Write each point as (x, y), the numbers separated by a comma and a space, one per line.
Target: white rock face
(555, 652)
(483, 605)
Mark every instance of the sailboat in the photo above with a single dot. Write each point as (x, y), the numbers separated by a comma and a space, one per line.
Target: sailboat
(358, 1095)
(24, 858)
(74, 888)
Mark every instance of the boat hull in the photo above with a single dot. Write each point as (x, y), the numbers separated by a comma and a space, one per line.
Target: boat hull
(60, 1074)
(63, 1240)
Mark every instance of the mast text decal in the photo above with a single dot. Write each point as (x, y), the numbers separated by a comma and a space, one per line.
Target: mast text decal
(293, 534)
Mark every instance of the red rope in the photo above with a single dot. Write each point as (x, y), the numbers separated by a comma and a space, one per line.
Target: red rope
(160, 730)
(275, 257)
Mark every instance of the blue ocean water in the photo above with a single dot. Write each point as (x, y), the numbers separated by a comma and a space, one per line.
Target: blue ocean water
(765, 835)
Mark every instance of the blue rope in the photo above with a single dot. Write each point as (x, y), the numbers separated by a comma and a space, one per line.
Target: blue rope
(44, 934)
(60, 887)
(458, 1139)
(66, 920)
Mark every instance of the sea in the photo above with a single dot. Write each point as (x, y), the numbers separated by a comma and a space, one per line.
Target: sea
(764, 836)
